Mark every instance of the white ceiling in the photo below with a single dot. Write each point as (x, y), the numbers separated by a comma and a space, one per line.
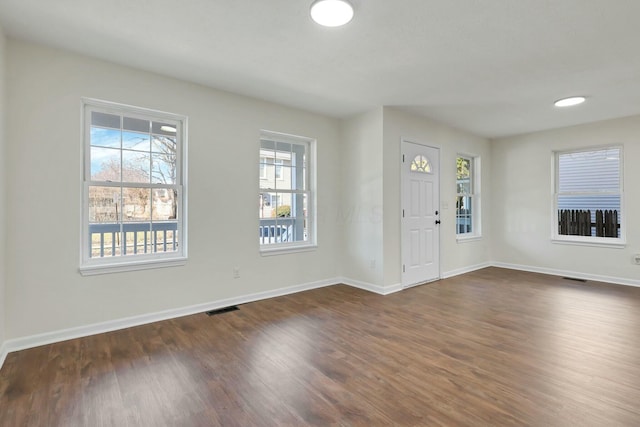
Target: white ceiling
(491, 67)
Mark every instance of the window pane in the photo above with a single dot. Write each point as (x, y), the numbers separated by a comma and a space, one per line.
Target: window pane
(268, 145)
(105, 240)
(136, 204)
(267, 205)
(135, 166)
(105, 213)
(300, 229)
(463, 186)
(105, 137)
(165, 204)
(269, 179)
(263, 170)
(136, 141)
(105, 164)
(165, 236)
(464, 215)
(136, 125)
(104, 204)
(589, 171)
(163, 169)
(284, 205)
(283, 181)
(273, 231)
(278, 170)
(163, 144)
(283, 151)
(138, 238)
(463, 176)
(105, 120)
(298, 178)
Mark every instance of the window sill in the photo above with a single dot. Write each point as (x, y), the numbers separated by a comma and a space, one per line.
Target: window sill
(120, 267)
(598, 242)
(266, 251)
(466, 239)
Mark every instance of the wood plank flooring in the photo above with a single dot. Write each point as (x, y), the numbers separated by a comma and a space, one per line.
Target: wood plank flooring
(490, 348)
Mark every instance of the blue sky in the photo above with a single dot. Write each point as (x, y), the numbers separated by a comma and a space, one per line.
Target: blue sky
(138, 150)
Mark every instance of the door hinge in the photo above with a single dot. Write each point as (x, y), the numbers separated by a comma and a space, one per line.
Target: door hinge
(402, 213)
(404, 270)
(403, 158)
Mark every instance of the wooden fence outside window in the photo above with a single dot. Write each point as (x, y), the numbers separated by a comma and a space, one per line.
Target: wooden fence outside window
(572, 222)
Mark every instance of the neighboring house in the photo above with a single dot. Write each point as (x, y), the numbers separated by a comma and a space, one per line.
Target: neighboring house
(274, 173)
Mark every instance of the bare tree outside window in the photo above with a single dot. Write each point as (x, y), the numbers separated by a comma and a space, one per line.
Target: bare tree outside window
(164, 168)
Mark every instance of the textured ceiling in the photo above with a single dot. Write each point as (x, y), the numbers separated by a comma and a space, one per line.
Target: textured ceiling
(491, 67)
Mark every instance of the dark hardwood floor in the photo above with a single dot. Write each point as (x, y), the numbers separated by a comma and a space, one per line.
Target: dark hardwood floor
(490, 348)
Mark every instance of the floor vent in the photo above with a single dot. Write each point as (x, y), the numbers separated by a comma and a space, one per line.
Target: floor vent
(222, 310)
(575, 280)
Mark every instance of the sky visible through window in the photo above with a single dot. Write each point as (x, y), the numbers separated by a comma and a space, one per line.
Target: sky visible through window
(145, 157)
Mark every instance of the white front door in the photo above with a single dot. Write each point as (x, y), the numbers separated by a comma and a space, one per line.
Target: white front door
(420, 214)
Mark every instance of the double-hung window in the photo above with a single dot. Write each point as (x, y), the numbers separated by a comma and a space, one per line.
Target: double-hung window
(286, 208)
(133, 200)
(467, 197)
(588, 196)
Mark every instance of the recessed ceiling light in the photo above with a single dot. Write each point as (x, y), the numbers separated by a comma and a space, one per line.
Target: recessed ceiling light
(166, 128)
(331, 13)
(568, 102)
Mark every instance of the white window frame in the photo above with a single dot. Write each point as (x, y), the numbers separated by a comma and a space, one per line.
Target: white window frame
(113, 264)
(476, 218)
(556, 237)
(310, 191)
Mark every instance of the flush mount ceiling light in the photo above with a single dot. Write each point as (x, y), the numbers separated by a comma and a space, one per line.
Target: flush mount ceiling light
(331, 13)
(568, 102)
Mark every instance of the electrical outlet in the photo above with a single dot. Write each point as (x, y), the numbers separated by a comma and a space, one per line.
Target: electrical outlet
(236, 272)
(373, 264)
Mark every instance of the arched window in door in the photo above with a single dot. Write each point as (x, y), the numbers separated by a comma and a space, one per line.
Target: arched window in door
(421, 164)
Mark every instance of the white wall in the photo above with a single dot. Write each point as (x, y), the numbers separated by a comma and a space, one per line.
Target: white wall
(361, 207)
(454, 256)
(44, 289)
(522, 187)
(3, 204)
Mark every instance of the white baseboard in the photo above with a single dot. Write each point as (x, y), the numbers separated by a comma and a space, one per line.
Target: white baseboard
(4, 350)
(381, 290)
(568, 273)
(31, 341)
(463, 270)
